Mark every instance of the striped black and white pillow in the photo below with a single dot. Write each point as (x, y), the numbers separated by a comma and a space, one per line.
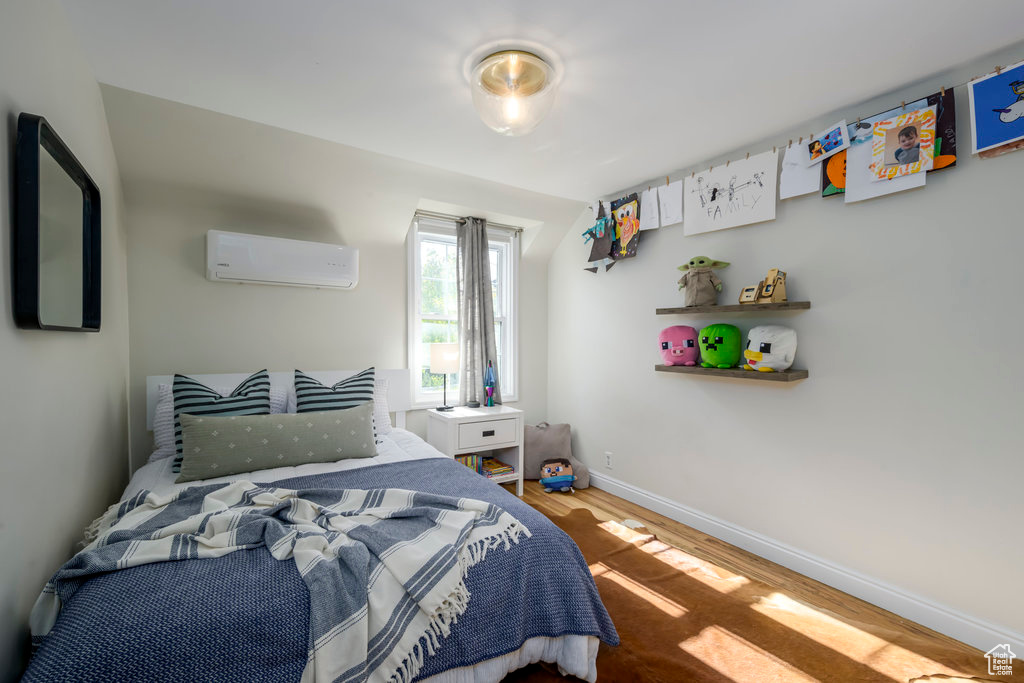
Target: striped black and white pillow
(251, 397)
(311, 396)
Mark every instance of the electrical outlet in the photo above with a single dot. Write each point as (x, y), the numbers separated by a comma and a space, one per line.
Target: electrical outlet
(608, 459)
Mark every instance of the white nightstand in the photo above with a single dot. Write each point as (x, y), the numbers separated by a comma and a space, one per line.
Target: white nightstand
(470, 430)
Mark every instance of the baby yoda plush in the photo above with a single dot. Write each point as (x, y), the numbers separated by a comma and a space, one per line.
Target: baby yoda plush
(702, 285)
(720, 346)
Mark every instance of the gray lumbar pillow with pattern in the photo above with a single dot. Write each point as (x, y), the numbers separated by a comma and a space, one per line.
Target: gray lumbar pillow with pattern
(218, 446)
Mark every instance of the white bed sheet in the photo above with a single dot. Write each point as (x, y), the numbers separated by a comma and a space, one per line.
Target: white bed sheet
(397, 446)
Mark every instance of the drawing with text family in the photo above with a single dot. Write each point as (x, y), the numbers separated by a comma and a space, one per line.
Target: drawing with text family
(738, 194)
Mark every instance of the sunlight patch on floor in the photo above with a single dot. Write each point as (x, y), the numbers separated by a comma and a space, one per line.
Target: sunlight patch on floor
(877, 653)
(624, 533)
(739, 659)
(669, 607)
(707, 573)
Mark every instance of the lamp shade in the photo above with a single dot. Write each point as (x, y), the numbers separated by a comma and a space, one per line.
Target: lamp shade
(444, 359)
(513, 91)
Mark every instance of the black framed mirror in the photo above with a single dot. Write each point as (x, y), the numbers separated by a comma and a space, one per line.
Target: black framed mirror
(56, 240)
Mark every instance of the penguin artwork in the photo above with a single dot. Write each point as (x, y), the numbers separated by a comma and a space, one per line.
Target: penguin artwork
(770, 348)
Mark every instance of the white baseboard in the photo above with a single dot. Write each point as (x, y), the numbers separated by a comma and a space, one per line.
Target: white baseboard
(967, 629)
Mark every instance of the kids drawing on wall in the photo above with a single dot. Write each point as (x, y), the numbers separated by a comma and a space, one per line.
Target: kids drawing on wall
(816, 149)
(861, 132)
(1014, 111)
(626, 212)
(997, 111)
(739, 192)
(830, 141)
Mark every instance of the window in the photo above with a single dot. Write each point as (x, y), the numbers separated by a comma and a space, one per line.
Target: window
(434, 306)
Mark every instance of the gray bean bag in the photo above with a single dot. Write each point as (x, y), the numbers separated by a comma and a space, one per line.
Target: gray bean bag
(546, 441)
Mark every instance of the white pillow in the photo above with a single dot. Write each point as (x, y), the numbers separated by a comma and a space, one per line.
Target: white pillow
(163, 419)
(381, 412)
(163, 416)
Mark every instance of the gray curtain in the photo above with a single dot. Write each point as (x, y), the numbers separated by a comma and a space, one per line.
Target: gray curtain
(476, 312)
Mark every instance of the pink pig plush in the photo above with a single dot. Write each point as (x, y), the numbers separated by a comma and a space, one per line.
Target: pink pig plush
(679, 345)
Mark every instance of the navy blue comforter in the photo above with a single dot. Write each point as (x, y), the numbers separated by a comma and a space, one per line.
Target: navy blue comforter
(244, 617)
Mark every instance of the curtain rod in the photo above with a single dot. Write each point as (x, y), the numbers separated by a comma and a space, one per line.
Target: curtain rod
(458, 219)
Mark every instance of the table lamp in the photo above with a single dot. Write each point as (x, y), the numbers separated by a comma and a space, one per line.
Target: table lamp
(444, 359)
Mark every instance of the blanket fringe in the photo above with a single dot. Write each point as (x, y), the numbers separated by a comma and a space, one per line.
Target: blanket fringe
(452, 608)
(99, 525)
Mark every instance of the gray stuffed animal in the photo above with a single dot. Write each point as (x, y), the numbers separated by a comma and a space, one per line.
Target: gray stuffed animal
(702, 285)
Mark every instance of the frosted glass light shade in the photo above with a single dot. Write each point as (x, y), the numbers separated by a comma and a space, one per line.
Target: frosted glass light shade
(513, 91)
(444, 359)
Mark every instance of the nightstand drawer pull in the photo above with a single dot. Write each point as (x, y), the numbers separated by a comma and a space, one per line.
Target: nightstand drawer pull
(488, 432)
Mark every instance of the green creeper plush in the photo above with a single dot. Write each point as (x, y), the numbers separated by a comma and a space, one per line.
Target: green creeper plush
(702, 285)
(720, 346)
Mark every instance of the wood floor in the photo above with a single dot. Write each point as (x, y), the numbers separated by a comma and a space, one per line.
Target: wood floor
(607, 507)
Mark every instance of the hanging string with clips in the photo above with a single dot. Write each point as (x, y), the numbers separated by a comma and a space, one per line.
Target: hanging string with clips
(903, 105)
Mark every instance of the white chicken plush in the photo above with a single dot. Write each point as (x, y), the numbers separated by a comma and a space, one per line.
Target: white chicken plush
(770, 348)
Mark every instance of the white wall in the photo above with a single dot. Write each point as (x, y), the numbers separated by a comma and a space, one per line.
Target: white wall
(900, 456)
(63, 410)
(188, 170)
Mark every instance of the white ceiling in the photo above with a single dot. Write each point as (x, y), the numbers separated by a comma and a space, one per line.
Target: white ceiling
(648, 87)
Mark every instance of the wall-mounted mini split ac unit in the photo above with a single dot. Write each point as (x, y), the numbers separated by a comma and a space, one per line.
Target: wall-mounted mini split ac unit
(235, 257)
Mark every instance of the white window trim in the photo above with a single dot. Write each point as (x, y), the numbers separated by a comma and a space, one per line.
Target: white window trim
(439, 226)
(511, 306)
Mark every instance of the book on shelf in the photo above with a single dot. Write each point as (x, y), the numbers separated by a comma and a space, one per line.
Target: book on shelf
(491, 467)
(471, 460)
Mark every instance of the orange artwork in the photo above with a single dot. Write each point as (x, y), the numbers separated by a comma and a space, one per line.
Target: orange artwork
(837, 170)
(833, 175)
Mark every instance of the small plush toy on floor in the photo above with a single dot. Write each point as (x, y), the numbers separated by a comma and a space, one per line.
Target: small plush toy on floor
(556, 475)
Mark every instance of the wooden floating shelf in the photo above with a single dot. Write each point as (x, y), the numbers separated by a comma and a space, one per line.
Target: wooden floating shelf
(737, 373)
(737, 308)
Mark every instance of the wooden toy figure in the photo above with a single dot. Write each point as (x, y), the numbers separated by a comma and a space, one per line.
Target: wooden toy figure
(702, 285)
(771, 290)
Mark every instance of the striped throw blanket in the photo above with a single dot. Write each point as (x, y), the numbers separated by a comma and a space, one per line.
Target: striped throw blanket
(385, 568)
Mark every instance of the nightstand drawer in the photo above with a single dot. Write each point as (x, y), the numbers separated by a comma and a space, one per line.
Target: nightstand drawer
(487, 433)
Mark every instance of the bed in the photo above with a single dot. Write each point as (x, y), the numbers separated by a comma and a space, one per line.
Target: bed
(245, 616)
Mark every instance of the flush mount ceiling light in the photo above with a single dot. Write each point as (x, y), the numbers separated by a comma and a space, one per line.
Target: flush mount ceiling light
(513, 89)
